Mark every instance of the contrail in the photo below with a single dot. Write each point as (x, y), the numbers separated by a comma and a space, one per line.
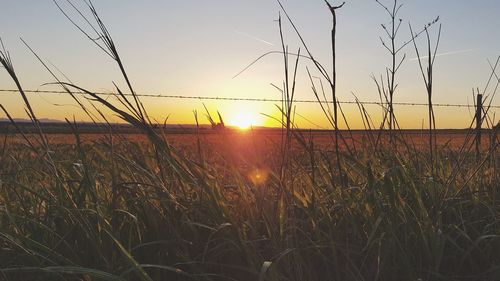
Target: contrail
(254, 38)
(446, 54)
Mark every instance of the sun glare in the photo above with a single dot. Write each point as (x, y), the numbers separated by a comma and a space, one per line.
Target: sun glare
(243, 120)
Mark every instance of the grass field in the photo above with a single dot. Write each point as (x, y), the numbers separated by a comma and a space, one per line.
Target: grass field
(96, 208)
(263, 204)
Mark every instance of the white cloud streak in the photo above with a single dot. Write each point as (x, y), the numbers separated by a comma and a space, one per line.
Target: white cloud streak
(254, 38)
(446, 54)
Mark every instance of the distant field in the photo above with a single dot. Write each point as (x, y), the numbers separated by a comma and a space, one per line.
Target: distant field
(183, 137)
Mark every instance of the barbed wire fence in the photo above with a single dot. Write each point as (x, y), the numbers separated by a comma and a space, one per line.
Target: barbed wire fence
(49, 92)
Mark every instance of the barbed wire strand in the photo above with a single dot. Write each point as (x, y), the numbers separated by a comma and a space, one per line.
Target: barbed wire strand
(245, 99)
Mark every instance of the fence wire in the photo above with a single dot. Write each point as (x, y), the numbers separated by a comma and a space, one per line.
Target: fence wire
(249, 99)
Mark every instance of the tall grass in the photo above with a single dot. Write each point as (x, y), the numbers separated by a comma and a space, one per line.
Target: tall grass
(427, 75)
(117, 209)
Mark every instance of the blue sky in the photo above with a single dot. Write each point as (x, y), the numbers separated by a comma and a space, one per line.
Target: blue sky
(181, 47)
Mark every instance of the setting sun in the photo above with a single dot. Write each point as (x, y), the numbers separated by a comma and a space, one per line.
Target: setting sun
(243, 120)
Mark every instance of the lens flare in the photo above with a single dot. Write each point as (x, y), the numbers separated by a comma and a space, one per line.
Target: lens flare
(258, 176)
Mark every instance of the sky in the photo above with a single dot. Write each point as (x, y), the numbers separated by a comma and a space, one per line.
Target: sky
(194, 48)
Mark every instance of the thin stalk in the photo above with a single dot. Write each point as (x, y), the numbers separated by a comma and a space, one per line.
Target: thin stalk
(333, 86)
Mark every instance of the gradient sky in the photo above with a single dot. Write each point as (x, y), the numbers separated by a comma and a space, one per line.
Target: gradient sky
(194, 48)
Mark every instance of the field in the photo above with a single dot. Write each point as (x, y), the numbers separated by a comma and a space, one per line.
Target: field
(219, 205)
(186, 136)
(143, 201)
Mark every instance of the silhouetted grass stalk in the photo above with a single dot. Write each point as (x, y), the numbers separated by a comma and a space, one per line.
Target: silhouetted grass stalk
(428, 79)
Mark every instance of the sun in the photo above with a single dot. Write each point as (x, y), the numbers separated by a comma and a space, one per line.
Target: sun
(243, 120)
